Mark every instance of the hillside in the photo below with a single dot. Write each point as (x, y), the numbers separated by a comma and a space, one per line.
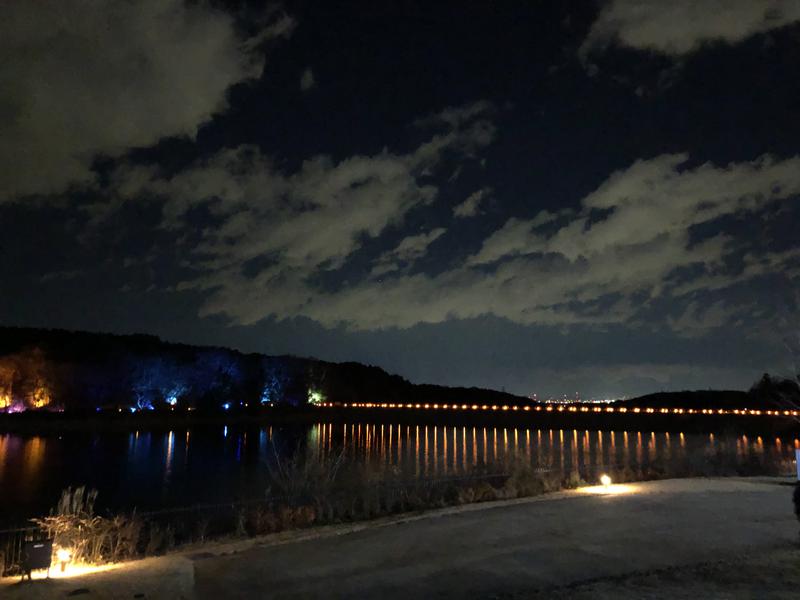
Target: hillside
(61, 370)
(768, 393)
(58, 370)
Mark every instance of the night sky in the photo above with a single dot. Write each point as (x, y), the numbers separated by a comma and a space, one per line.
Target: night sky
(550, 197)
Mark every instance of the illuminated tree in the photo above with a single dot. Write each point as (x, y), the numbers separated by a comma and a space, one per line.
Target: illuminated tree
(31, 386)
(316, 384)
(276, 380)
(155, 380)
(315, 396)
(7, 374)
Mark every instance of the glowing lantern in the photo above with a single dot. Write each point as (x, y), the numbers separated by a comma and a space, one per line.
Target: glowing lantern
(63, 555)
(605, 480)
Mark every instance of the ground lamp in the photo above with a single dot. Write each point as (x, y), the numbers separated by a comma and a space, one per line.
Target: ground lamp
(605, 480)
(63, 555)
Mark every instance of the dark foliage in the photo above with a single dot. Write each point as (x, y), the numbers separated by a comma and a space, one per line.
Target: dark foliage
(777, 391)
(80, 371)
(695, 399)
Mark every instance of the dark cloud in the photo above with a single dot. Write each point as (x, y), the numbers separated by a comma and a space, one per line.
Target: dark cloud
(83, 79)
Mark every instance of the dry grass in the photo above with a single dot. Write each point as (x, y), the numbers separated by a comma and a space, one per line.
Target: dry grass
(74, 525)
(307, 489)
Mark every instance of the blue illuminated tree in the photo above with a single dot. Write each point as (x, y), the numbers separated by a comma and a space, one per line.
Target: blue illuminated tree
(156, 380)
(276, 379)
(218, 377)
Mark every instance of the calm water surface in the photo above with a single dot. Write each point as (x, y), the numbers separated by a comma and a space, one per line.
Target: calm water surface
(149, 470)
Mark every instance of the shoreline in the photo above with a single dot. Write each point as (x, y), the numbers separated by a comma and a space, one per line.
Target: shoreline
(29, 423)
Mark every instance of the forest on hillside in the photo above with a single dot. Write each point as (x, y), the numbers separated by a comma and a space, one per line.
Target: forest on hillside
(58, 370)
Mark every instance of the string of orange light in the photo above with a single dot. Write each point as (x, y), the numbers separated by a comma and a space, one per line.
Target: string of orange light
(567, 408)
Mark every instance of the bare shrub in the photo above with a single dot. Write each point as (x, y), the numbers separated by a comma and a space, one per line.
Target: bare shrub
(574, 480)
(160, 539)
(304, 477)
(89, 538)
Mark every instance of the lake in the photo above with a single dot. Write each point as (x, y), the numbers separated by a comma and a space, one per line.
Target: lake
(151, 470)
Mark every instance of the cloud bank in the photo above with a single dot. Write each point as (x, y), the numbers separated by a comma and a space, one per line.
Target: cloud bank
(634, 241)
(279, 231)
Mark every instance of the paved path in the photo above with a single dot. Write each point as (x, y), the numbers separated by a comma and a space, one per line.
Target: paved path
(477, 551)
(513, 549)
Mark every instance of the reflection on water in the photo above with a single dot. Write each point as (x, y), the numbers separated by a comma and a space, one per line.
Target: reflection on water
(152, 469)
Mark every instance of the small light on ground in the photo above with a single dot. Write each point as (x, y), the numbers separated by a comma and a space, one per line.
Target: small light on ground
(613, 489)
(75, 570)
(63, 555)
(605, 480)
